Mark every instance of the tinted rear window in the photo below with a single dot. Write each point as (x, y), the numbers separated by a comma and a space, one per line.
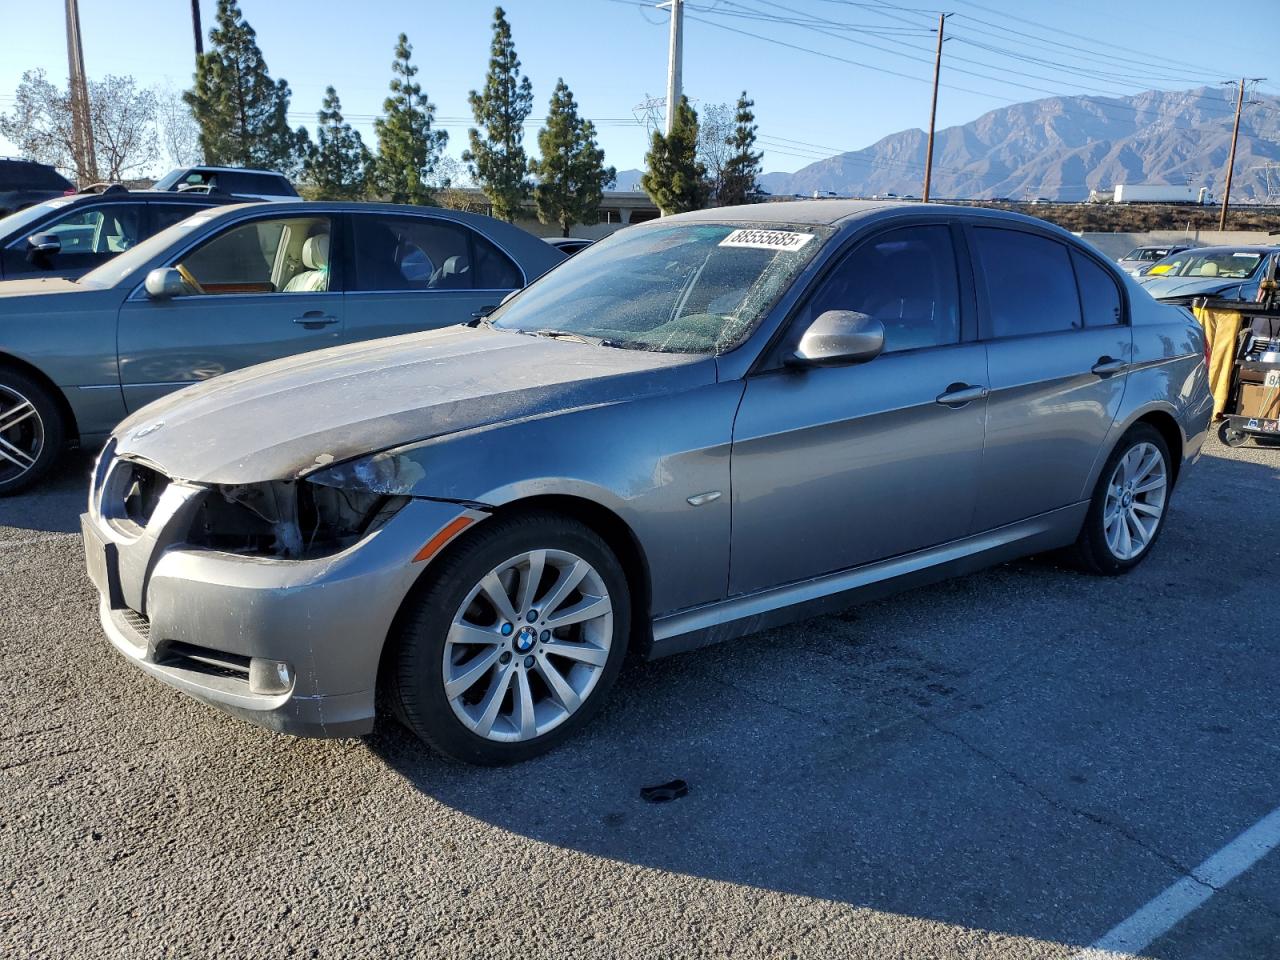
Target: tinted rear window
(1099, 295)
(19, 175)
(1030, 285)
(269, 184)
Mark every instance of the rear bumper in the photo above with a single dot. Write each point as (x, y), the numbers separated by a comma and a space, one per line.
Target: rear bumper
(216, 624)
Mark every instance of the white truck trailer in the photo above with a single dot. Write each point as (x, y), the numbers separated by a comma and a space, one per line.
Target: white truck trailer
(1159, 193)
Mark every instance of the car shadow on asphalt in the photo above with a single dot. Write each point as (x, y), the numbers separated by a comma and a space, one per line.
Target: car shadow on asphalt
(54, 504)
(1025, 750)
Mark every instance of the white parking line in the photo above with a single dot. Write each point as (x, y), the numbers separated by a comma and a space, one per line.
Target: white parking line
(1159, 915)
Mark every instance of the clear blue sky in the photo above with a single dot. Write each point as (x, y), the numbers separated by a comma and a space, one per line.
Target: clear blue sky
(613, 53)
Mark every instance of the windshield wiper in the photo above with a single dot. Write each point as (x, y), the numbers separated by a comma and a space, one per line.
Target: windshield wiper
(571, 335)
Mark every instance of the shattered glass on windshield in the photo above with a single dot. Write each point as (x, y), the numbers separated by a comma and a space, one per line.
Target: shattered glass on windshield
(677, 288)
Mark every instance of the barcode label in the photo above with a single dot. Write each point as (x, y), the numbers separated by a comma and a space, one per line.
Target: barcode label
(767, 239)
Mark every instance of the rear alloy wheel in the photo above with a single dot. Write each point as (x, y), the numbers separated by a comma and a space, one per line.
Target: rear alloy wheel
(1129, 505)
(515, 641)
(30, 431)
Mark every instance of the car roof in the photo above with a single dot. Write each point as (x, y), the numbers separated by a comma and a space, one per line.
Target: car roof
(205, 166)
(839, 212)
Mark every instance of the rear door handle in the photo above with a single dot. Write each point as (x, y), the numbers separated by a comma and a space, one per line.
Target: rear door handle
(959, 394)
(315, 319)
(1107, 366)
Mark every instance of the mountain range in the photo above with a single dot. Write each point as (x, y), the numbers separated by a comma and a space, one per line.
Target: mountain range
(1060, 148)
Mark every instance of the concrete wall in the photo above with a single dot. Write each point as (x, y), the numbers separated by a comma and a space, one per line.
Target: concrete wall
(1116, 245)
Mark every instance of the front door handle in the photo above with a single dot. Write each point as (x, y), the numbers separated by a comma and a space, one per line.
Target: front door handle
(315, 319)
(959, 394)
(1107, 366)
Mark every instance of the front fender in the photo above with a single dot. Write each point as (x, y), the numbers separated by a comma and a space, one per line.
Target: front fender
(641, 460)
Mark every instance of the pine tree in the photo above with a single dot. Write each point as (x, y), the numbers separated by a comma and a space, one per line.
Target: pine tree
(571, 173)
(674, 179)
(241, 111)
(408, 149)
(742, 169)
(497, 159)
(335, 167)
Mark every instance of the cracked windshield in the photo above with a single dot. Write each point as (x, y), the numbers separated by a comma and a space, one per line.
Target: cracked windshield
(688, 288)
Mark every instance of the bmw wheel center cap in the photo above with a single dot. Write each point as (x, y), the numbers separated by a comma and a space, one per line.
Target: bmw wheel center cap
(525, 639)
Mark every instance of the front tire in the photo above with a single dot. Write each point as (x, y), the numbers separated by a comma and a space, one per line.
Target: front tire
(1129, 505)
(31, 431)
(513, 641)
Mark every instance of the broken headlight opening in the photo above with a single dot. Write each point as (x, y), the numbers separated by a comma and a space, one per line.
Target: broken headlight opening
(289, 519)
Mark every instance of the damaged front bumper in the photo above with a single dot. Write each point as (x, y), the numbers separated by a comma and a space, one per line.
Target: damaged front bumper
(290, 644)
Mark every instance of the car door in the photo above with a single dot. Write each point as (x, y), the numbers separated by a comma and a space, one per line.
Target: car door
(834, 467)
(88, 236)
(1058, 349)
(420, 272)
(256, 291)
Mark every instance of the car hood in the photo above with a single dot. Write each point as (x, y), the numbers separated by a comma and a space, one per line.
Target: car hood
(287, 418)
(38, 286)
(1162, 287)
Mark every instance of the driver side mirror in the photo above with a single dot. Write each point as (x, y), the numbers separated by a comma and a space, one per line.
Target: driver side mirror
(165, 283)
(840, 337)
(43, 245)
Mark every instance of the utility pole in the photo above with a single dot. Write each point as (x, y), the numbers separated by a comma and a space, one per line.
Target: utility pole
(933, 110)
(1231, 157)
(675, 59)
(195, 26)
(81, 120)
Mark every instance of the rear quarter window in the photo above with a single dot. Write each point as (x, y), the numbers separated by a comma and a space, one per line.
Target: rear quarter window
(1099, 295)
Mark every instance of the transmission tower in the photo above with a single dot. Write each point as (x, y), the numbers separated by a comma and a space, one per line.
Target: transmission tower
(650, 113)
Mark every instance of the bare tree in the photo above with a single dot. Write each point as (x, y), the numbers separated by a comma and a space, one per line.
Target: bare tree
(179, 133)
(124, 126)
(40, 122)
(715, 128)
(122, 114)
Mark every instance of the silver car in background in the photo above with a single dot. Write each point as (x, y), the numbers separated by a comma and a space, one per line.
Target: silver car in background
(692, 430)
(1141, 259)
(229, 287)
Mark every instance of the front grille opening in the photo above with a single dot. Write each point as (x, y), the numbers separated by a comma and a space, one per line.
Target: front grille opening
(212, 663)
(137, 622)
(142, 489)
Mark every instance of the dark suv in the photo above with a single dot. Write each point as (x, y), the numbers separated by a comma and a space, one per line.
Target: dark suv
(24, 182)
(249, 184)
(69, 236)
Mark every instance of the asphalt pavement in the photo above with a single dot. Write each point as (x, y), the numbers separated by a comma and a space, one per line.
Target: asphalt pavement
(1007, 765)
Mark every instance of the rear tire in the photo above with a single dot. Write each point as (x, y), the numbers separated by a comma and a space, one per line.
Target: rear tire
(1129, 506)
(31, 431)
(491, 688)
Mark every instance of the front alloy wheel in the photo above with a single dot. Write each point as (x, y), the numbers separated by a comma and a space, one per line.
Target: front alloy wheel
(511, 640)
(528, 645)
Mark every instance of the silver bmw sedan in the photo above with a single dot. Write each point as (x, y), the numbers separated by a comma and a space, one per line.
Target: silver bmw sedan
(700, 427)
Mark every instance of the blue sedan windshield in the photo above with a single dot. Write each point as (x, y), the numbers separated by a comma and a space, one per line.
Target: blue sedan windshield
(670, 287)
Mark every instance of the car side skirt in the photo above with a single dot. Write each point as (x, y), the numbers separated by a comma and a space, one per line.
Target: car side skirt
(738, 616)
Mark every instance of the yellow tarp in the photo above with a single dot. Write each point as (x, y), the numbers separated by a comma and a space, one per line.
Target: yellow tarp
(1222, 327)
